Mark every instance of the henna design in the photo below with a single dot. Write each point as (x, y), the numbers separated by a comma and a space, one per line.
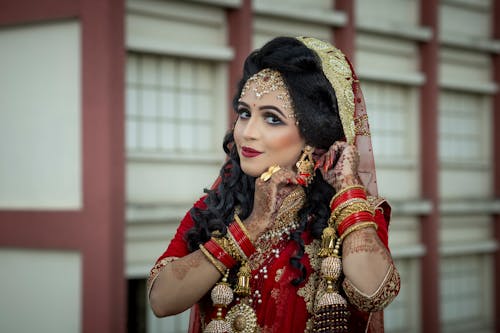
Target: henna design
(341, 171)
(365, 240)
(182, 266)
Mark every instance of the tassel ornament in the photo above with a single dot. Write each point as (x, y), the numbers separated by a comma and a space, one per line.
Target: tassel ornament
(222, 296)
(331, 313)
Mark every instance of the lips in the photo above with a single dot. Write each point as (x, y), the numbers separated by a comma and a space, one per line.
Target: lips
(249, 152)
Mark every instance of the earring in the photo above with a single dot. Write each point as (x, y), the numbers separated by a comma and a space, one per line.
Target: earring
(305, 166)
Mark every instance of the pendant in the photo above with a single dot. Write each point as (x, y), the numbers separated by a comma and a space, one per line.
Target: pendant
(242, 318)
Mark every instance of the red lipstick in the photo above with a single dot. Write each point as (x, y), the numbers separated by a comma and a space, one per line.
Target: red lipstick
(249, 152)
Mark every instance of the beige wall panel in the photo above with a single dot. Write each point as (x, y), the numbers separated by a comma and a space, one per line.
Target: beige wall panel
(173, 22)
(385, 53)
(145, 243)
(303, 4)
(456, 184)
(398, 183)
(173, 183)
(403, 314)
(40, 291)
(464, 65)
(404, 12)
(266, 28)
(40, 134)
(465, 229)
(404, 231)
(465, 21)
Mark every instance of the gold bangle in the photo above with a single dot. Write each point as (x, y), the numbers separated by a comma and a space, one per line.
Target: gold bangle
(220, 267)
(345, 189)
(354, 208)
(242, 226)
(356, 227)
(345, 204)
(229, 246)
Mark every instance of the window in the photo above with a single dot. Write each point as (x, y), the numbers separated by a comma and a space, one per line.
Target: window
(388, 111)
(170, 105)
(462, 136)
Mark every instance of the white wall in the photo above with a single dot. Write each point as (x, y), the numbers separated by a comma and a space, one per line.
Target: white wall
(40, 125)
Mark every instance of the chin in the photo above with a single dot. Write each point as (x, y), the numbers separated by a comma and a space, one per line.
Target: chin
(252, 172)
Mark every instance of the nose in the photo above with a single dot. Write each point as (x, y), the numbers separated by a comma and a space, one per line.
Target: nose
(251, 129)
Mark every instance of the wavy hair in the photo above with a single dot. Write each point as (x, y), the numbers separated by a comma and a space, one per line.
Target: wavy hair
(316, 109)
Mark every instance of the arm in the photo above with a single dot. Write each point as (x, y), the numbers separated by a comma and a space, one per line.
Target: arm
(181, 283)
(179, 278)
(371, 279)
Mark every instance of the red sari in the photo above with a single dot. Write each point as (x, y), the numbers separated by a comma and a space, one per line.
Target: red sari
(280, 306)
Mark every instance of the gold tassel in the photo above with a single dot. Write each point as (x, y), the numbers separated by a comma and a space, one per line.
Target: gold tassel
(331, 314)
(244, 275)
(327, 242)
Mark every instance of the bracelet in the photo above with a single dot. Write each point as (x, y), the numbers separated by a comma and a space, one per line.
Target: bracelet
(341, 206)
(354, 208)
(357, 227)
(220, 254)
(353, 219)
(229, 247)
(220, 267)
(354, 191)
(240, 235)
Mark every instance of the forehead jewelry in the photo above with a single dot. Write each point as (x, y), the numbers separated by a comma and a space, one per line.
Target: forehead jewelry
(266, 81)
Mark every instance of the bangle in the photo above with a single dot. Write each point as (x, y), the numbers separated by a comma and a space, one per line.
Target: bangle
(357, 227)
(220, 254)
(356, 207)
(229, 246)
(355, 191)
(345, 204)
(353, 219)
(220, 267)
(240, 235)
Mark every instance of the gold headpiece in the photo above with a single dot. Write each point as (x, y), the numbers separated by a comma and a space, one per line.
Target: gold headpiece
(338, 71)
(266, 81)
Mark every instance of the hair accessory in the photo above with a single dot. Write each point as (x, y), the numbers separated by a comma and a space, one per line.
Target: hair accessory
(305, 166)
(338, 71)
(266, 81)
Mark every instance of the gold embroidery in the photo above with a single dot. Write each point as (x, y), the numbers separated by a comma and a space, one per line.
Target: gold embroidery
(308, 291)
(384, 295)
(285, 223)
(279, 272)
(275, 294)
(339, 73)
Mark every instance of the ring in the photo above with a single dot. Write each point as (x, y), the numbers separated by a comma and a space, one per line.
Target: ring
(267, 175)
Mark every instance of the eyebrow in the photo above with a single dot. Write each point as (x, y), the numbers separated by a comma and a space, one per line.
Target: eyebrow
(265, 107)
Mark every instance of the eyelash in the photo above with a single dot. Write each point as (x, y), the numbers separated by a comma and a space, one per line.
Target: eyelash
(270, 117)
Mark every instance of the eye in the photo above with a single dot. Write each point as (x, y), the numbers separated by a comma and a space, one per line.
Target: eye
(243, 113)
(272, 119)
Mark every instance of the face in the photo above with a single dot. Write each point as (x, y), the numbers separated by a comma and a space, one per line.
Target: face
(265, 132)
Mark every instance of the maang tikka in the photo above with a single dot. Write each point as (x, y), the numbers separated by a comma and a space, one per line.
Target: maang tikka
(305, 166)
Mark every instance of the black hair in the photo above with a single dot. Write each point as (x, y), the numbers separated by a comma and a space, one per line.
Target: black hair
(316, 109)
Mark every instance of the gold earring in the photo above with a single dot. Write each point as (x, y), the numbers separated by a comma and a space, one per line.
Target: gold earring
(305, 166)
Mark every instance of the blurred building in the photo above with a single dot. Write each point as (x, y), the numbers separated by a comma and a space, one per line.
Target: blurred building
(112, 115)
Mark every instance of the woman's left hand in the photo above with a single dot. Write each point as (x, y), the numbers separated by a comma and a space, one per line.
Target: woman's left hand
(339, 165)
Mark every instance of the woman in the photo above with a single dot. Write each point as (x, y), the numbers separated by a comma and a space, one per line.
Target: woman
(292, 236)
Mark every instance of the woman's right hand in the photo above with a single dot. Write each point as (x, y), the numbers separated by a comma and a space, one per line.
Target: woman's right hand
(268, 198)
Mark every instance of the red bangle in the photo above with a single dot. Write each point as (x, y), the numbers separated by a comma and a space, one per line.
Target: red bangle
(219, 254)
(350, 194)
(352, 219)
(241, 239)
